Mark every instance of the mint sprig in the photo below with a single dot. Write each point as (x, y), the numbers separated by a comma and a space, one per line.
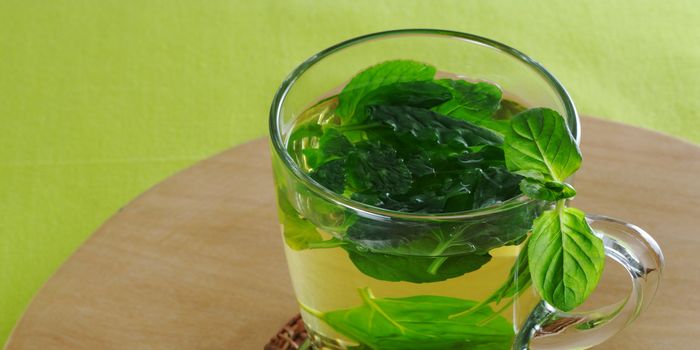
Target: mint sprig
(566, 258)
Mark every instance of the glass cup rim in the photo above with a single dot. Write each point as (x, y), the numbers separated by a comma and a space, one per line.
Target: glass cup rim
(372, 211)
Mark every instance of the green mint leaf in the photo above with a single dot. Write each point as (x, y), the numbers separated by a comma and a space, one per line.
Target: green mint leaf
(376, 167)
(566, 257)
(473, 102)
(419, 323)
(495, 185)
(444, 255)
(415, 269)
(445, 240)
(331, 145)
(429, 128)
(331, 175)
(548, 191)
(519, 278)
(423, 94)
(540, 141)
(334, 144)
(306, 131)
(485, 156)
(298, 233)
(382, 74)
(420, 165)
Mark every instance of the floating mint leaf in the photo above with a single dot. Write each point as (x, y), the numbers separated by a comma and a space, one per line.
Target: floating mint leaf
(334, 144)
(331, 175)
(422, 94)
(473, 102)
(431, 128)
(382, 74)
(376, 167)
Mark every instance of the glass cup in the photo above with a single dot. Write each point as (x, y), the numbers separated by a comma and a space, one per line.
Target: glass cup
(371, 278)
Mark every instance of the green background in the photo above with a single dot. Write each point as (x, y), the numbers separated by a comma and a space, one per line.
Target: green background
(100, 100)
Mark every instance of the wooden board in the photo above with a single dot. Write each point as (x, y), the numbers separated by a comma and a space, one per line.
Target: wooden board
(197, 261)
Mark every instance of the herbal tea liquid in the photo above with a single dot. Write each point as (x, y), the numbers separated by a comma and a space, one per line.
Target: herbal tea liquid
(327, 279)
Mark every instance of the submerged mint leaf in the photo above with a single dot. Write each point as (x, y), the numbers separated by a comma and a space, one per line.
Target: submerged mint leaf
(447, 240)
(566, 257)
(548, 190)
(415, 269)
(423, 94)
(307, 130)
(419, 323)
(376, 167)
(539, 140)
(331, 175)
(413, 253)
(298, 232)
(430, 128)
(334, 144)
(382, 74)
(473, 102)
(420, 165)
(488, 155)
(331, 145)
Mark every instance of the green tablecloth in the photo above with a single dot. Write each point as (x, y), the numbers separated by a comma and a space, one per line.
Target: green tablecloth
(101, 99)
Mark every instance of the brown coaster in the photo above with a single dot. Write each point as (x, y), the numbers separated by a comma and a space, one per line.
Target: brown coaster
(292, 336)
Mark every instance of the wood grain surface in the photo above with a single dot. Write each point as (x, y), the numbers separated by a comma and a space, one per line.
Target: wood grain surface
(197, 261)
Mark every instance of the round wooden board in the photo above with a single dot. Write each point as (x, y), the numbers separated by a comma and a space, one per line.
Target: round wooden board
(197, 261)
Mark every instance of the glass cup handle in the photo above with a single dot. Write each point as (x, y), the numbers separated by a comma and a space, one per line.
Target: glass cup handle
(640, 255)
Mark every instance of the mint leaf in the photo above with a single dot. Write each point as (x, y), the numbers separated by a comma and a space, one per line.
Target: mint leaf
(307, 130)
(422, 94)
(376, 167)
(414, 240)
(548, 190)
(473, 102)
(539, 140)
(431, 128)
(334, 144)
(331, 175)
(376, 76)
(298, 233)
(427, 254)
(419, 323)
(331, 145)
(566, 258)
(415, 269)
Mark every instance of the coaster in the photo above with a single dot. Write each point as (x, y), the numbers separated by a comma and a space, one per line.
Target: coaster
(292, 336)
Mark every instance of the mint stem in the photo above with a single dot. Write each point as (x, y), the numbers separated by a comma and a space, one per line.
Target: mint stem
(435, 265)
(310, 310)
